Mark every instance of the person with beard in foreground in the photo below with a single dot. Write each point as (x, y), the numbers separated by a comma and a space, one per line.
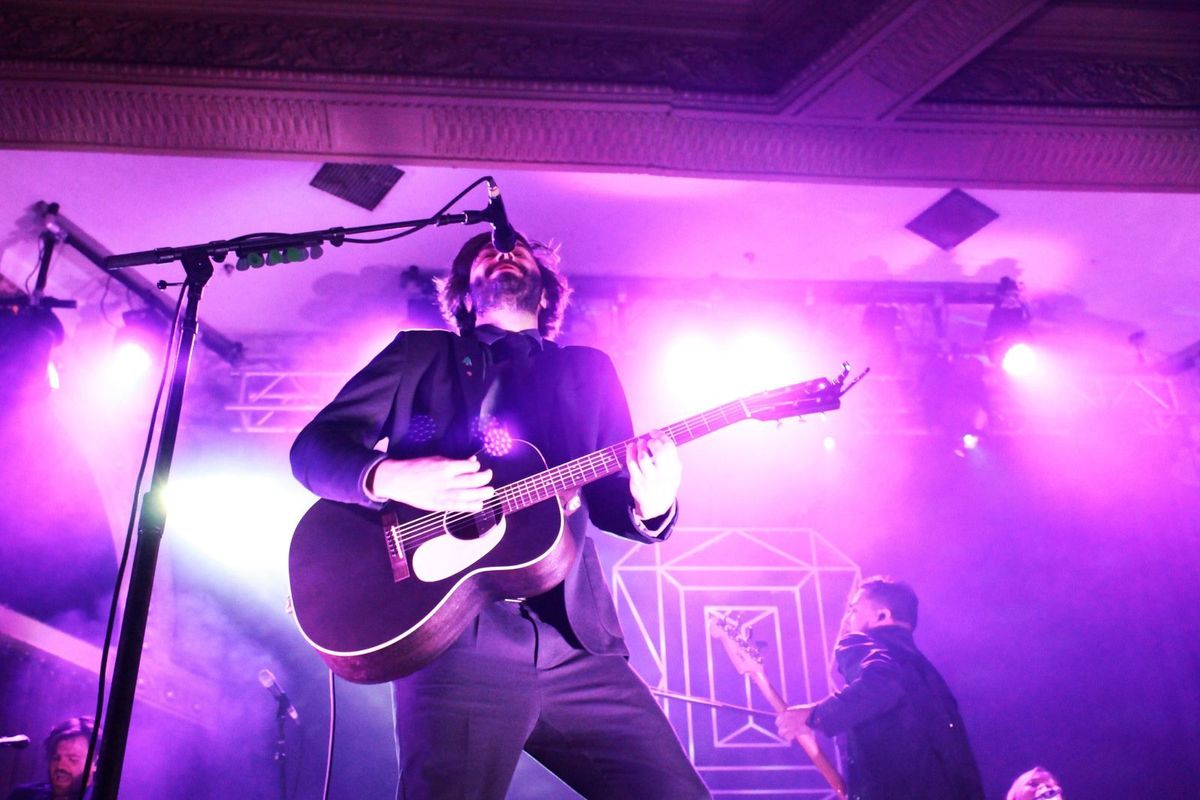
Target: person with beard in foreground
(66, 751)
(905, 737)
(547, 674)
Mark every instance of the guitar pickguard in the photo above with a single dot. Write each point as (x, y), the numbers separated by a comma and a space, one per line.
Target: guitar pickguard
(446, 555)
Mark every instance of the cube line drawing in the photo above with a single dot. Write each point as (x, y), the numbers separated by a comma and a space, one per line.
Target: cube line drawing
(790, 585)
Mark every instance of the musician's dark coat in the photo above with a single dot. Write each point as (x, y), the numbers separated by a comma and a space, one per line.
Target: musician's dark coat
(422, 394)
(905, 734)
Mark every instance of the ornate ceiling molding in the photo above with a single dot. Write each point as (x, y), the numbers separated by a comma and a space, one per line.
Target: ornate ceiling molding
(745, 62)
(618, 136)
(901, 91)
(919, 49)
(1055, 80)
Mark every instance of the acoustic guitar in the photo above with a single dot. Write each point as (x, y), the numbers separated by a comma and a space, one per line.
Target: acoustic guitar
(381, 594)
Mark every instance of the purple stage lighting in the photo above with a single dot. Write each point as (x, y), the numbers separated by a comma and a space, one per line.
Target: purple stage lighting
(1021, 361)
(129, 362)
(136, 344)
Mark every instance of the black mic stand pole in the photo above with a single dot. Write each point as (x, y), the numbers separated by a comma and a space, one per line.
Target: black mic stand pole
(151, 521)
(281, 745)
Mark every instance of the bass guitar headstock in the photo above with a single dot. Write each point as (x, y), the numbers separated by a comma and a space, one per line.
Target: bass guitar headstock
(735, 638)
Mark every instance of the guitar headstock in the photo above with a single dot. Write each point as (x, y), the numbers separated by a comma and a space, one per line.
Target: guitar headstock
(735, 638)
(800, 399)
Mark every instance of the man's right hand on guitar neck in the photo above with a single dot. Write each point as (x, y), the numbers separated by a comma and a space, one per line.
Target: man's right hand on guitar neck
(434, 483)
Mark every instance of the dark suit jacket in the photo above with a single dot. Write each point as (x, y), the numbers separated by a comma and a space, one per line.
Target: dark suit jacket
(905, 736)
(423, 394)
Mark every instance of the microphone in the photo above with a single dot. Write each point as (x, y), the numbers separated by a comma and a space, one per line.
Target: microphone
(504, 238)
(267, 679)
(18, 742)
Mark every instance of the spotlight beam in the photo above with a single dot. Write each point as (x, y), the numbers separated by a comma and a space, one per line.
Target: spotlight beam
(225, 348)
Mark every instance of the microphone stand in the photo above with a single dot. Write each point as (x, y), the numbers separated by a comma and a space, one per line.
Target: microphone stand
(197, 262)
(281, 745)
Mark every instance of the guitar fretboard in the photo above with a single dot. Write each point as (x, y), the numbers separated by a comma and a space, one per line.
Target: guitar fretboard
(585, 469)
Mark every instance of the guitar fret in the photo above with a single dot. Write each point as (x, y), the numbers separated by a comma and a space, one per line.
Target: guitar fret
(585, 469)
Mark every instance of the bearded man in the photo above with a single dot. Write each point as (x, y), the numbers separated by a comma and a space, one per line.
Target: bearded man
(548, 673)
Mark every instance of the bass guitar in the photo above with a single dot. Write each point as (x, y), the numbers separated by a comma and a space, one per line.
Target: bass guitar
(735, 639)
(380, 595)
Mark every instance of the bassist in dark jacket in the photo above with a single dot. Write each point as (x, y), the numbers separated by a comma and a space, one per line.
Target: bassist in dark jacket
(905, 736)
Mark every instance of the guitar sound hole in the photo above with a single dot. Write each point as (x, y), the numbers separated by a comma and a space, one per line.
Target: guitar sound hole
(472, 526)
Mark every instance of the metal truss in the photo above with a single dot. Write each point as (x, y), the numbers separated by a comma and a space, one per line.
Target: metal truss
(280, 400)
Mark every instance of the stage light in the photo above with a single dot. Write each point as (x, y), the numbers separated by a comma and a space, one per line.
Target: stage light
(970, 441)
(754, 361)
(830, 444)
(1008, 321)
(1021, 361)
(129, 362)
(137, 345)
(692, 359)
(27, 335)
(236, 516)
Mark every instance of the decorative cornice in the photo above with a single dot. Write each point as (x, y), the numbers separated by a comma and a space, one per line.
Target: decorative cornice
(159, 120)
(382, 47)
(939, 35)
(998, 115)
(647, 138)
(912, 52)
(624, 136)
(1054, 80)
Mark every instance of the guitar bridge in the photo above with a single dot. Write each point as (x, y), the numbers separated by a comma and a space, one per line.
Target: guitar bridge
(395, 547)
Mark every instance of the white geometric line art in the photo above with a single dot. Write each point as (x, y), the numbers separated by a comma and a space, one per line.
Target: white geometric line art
(790, 585)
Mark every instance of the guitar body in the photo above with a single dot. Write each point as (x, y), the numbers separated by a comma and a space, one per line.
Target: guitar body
(378, 605)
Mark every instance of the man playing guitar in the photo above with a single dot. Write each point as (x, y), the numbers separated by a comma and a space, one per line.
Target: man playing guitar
(543, 670)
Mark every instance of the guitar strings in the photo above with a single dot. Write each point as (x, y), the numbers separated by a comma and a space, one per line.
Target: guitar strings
(589, 467)
(433, 525)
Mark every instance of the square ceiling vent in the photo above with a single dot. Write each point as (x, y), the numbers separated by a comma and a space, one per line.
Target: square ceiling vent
(362, 184)
(952, 220)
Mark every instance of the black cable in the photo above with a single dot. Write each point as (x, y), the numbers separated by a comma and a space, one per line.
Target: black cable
(423, 225)
(168, 362)
(37, 262)
(332, 728)
(244, 240)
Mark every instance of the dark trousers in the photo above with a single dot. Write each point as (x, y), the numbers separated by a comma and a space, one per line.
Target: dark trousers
(462, 721)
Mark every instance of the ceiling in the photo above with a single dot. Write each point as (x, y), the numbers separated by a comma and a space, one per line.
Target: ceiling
(1021, 93)
(748, 139)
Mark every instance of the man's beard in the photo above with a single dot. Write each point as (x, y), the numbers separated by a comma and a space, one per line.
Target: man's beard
(506, 290)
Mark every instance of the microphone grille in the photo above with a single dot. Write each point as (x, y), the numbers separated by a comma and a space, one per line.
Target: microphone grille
(266, 678)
